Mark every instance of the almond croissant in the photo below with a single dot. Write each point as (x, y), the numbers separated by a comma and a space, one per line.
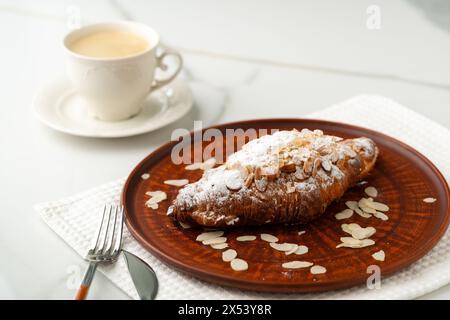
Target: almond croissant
(287, 177)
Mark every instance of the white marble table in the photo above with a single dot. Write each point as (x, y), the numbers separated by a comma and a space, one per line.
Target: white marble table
(269, 58)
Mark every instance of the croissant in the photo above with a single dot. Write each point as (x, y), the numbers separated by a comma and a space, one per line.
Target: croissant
(287, 177)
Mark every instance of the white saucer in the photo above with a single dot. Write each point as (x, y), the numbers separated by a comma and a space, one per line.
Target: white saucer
(58, 106)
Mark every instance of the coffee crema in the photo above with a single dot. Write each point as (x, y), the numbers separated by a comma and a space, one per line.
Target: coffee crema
(109, 44)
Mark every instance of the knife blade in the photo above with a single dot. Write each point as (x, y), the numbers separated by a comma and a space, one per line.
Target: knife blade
(143, 276)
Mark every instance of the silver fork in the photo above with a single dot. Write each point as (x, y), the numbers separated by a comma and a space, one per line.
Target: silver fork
(107, 245)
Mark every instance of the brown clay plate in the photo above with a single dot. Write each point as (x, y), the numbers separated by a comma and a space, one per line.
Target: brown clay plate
(402, 176)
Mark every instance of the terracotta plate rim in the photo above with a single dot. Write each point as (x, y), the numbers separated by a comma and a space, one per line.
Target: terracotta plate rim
(248, 284)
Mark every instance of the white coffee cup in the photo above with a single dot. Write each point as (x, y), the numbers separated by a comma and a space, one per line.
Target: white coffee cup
(114, 89)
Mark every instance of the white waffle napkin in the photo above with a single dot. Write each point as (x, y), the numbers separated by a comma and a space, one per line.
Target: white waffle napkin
(73, 219)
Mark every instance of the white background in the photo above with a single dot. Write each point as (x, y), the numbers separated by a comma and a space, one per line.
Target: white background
(269, 59)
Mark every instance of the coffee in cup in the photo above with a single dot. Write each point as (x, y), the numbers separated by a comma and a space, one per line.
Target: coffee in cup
(112, 66)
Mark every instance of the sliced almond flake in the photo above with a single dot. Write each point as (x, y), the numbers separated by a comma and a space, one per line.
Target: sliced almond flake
(379, 255)
(301, 232)
(371, 192)
(184, 225)
(209, 235)
(229, 255)
(381, 215)
(364, 202)
(194, 166)
(368, 209)
(377, 206)
(367, 242)
(359, 244)
(219, 246)
(352, 204)
(268, 237)
(301, 250)
(214, 241)
(354, 226)
(326, 165)
(297, 264)
(350, 227)
(156, 197)
(145, 176)
(317, 269)
(362, 214)
(157, 194)
(363, 233)
(283, 246)
(246, 238)
(350, 240)
(429, 200)
(239, 265)
(345, 228)
(233, 184)
(345, 214)
(177, 183)
(153, 206)
(209, 164)
(293, 249)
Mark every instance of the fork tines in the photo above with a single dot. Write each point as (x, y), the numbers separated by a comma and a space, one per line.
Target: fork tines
(109, 235)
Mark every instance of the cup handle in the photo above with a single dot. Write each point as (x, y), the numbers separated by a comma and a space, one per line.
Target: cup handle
(160, 64)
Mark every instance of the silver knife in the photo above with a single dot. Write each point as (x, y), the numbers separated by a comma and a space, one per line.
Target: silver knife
(143, 276)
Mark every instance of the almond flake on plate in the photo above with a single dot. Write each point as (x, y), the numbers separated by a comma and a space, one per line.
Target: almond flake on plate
(376, 205)
(229, 255)
(362, 213)
(215, 240)
(350, 240)
(345, 214)
(354, 243)
(301, 250)
(297, 264)
(368, 209)
(156, 196)
(177, 183)
(153, 206)
(348, 228)
(317, 269)
(379, 255)
(363, 233)
(239, 265)
(268, 237)
(246, 238)
(194, 166)
(429, 200)
(283, 246)
(209, 235)
(219, 246)
(293, 249)
(301, 232)
(145, 176)
(371, 192)
(381, 215)
(352, 204)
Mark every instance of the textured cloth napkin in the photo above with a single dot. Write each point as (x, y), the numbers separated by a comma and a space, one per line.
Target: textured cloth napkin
(75, 218)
